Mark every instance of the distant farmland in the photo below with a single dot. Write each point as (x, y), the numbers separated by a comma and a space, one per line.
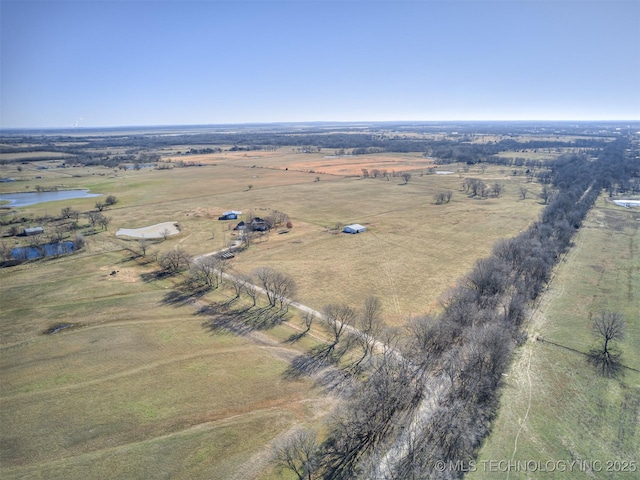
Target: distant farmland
(153, 373)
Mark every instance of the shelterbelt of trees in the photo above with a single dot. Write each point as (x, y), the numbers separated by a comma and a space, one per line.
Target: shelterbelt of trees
(430, 400)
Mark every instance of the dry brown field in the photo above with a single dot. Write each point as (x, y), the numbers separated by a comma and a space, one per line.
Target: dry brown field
(28, 155)
(322, 162)
(139, 386)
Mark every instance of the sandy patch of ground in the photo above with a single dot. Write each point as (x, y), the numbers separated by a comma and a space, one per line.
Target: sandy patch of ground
(627, 203)
(127, 275)
(152, 231)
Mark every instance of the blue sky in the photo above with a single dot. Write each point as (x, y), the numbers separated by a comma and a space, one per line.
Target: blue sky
(120, 63)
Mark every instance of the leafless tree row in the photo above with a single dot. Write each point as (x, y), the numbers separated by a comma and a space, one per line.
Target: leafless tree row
(460, 353)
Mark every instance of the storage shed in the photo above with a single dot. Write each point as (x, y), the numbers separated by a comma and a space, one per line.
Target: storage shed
(230, 215)
(33, 231)
(354, 228)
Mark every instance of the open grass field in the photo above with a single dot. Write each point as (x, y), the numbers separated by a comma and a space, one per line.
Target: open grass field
(318, 162)
(138, 387)
(412, 253)
(554, 406)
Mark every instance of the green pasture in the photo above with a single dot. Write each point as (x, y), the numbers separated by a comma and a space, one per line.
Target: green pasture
(139, 386)
(554, 405)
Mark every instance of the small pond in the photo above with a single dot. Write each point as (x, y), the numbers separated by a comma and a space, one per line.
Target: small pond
(49, 250)
(33, 198)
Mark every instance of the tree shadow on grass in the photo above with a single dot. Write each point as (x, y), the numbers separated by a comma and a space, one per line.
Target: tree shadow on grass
(322, 365)
(296, 336)
(178, 298)
(155, 275)
(240, 322)
(264, 318)
(226, 323)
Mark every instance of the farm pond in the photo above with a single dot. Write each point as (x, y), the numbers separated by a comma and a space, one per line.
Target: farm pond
(47, 250)
(32, 198)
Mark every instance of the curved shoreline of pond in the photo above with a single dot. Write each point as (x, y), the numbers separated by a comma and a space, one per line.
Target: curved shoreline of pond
(25, 199)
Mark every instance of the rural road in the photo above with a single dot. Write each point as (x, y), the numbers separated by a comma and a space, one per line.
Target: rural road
(299, 306)
(435, 387)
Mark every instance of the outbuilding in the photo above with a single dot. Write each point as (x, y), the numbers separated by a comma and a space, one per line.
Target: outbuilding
(354, 228)
(230, 215)
(33, 231)
(259, 225)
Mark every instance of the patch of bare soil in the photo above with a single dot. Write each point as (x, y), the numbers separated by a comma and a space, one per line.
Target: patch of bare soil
(127, 275)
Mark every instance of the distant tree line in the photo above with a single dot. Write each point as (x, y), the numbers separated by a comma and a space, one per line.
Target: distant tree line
(83, 149)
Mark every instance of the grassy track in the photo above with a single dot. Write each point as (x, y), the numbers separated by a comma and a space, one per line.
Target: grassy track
(554, 406)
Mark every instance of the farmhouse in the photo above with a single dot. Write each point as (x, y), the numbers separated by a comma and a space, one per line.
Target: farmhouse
(259, 225)
(33, 231)
(230, 215)
(354, 228)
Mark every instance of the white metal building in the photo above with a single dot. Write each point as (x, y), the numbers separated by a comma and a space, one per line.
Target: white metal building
(354, 228)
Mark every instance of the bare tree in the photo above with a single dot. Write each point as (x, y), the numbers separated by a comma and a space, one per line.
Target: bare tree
(144, 244)
(100, 206)
(497, 189)
(308, 319)
(174, 261)
(299, 452)
(487, 281)
(339, 317)
(370, 326)
(93, 218)
(278, 218)
(523, 193)
(5, 251)
(546, 194)
(78, 242)
(249, 288)
(474, 187)
(607, 327)
(38, 242)
(165, 233)
(104, 221)
(205, 271)
(265, 276)
(279, 287)
(448, 194)
(67, 212)
(59, 232)
(237, 283)
(406, 176)
(443, 197)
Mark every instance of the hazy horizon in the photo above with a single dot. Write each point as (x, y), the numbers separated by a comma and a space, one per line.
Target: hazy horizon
(346, 123)
(118, 64)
